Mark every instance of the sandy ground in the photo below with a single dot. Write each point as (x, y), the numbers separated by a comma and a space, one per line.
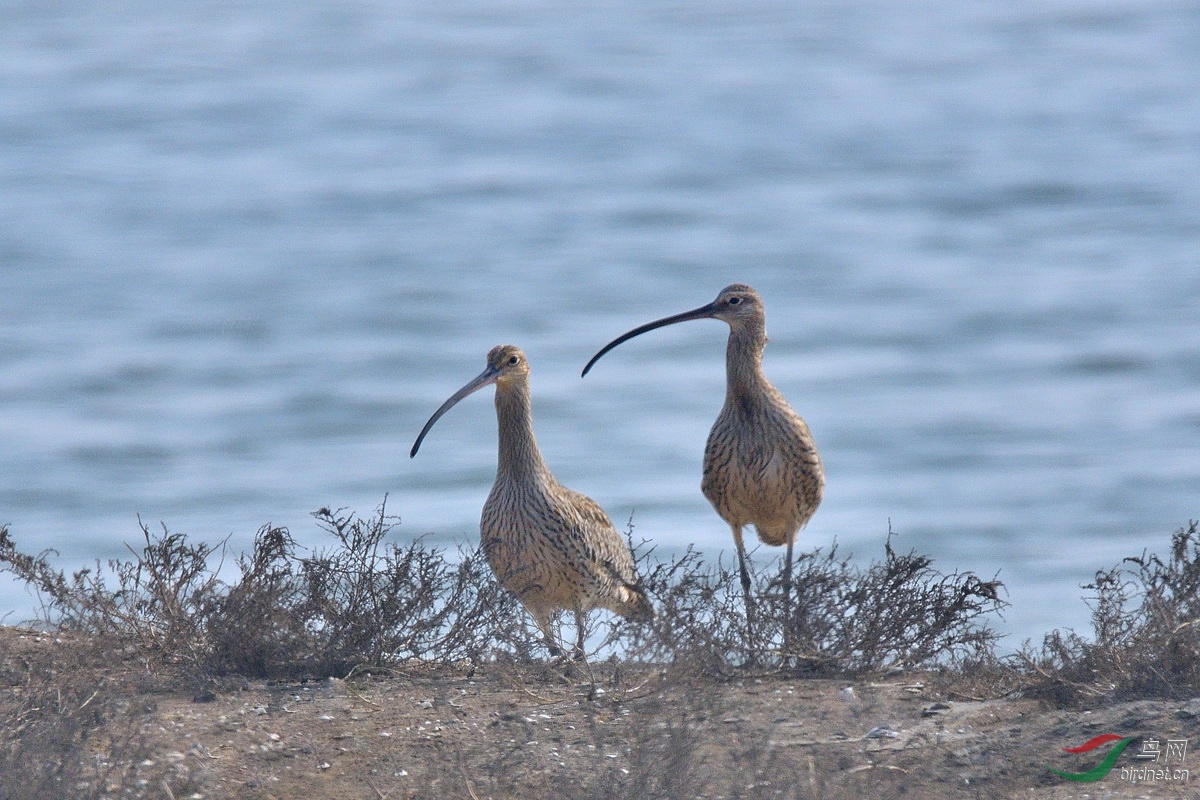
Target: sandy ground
(544, 731)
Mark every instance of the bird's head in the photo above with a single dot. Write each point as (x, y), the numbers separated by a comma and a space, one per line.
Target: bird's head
(737, 303)
(506, 367)
(506, 363)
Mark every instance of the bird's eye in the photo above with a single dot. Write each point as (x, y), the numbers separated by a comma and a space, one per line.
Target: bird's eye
(513, 360)
(733, 301)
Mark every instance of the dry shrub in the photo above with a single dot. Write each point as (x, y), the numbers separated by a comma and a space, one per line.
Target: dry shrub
(700, 623)
(68, 725)
(256, 626)
(1146, 623)
(160, 601)
(841, 619)
(363, 602)
(900, 613)
(369, 602)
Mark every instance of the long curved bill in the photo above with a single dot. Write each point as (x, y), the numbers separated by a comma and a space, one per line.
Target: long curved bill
(704, 312)
(485, 378)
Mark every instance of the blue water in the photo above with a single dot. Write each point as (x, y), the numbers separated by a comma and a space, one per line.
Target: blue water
(247, 249)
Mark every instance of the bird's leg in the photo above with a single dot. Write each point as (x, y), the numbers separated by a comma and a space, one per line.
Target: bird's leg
(552, 646)
(745, 575)
(580, 629)
(542, 619)
(741, 553)
(787, 596)
(787, 571)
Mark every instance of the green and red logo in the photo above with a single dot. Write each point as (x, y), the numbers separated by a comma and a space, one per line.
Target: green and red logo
(1105, 766)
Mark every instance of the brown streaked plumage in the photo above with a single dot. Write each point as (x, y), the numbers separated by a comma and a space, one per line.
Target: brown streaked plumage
(761, 466)
(551, 547)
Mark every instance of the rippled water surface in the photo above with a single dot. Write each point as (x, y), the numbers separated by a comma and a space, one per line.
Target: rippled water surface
(246, 250)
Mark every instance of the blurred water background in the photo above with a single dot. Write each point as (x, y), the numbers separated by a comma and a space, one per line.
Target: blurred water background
(247, 248)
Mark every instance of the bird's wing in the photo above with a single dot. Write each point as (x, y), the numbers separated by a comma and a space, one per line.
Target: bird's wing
(590, 529)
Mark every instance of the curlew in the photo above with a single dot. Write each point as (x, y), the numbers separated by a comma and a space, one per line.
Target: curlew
(551, 547)
(761, 466)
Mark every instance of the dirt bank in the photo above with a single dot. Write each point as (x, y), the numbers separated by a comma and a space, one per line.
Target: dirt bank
(541, 731)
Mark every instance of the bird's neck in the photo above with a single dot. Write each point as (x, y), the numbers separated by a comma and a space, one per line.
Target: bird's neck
(519, 458)
(744, 377)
